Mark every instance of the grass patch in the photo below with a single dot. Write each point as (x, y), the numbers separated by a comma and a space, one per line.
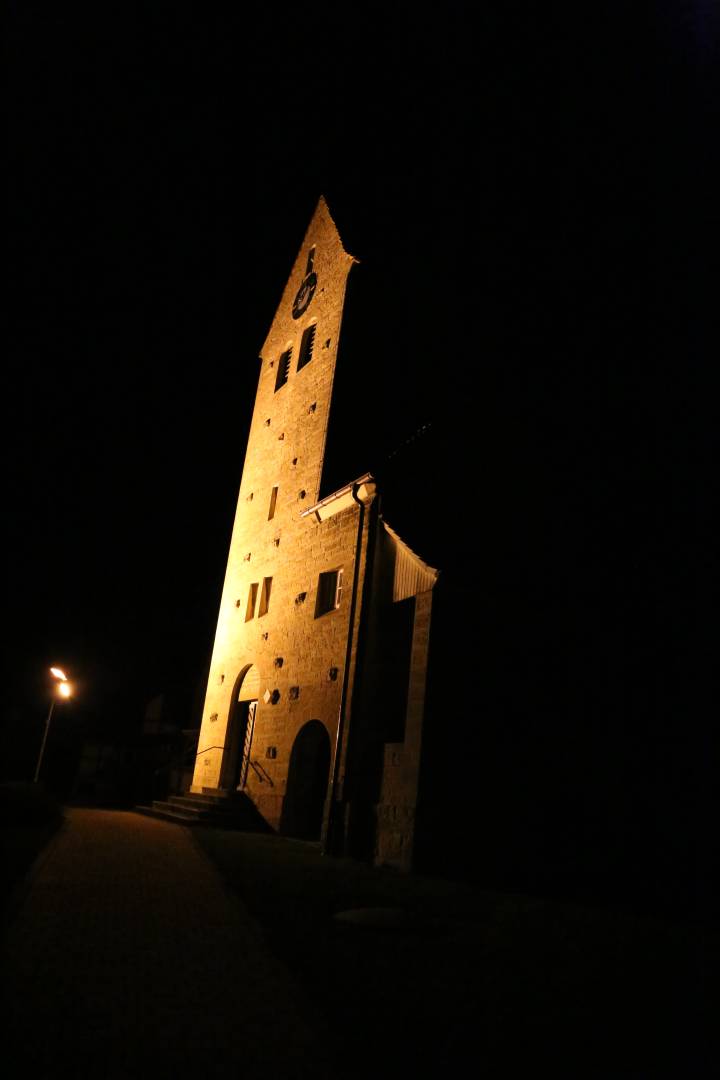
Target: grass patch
(29, 817)
(505, 981)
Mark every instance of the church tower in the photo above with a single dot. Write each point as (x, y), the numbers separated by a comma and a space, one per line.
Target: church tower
(267, 633)
(315, 699)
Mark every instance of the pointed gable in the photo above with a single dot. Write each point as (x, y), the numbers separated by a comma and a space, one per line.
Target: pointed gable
(316, 287)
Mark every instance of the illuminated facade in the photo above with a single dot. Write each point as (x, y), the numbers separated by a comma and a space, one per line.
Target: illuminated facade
(315, 698)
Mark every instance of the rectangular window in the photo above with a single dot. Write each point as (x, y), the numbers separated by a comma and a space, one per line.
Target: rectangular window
(283, 369)
(273, 503)
(252, 597)
(329, 592)
(265, 596)
(306, 346)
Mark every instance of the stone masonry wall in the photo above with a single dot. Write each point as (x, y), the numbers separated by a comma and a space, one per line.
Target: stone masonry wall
(300, 656)
(401, 767)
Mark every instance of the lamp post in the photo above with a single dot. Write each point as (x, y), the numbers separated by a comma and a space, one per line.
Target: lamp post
(64, 690)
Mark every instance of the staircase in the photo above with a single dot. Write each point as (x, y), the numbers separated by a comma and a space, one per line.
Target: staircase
(220, 809)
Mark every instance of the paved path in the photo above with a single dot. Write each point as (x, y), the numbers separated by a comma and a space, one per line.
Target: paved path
(128, 958)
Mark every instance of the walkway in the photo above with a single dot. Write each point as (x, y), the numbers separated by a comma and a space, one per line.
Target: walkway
(128, 958)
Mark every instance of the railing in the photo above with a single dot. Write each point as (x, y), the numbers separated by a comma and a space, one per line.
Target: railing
(178, 761)
(182, 759)
(208, 749)
(260, 773)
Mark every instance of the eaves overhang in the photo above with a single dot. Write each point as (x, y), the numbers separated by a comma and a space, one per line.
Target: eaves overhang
(411, 574)
(362, 489)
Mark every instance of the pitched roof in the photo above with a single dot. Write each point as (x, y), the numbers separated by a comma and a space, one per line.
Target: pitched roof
(411, 575)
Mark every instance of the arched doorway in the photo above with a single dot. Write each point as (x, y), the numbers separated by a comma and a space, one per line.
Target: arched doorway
(240, 728)
(307, 782)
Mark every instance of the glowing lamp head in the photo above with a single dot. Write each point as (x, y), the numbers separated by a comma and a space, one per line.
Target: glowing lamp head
(64, 689)
(58, 673)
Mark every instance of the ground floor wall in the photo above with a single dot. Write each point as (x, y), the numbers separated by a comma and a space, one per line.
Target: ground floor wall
(395, 812)
(280, 752)
(305, 709)
(294, 662)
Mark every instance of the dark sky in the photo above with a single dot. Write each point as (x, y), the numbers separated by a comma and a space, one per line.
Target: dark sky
(509, 184)
(165, 165)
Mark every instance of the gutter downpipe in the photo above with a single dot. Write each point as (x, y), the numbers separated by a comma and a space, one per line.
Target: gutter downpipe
(329, 846)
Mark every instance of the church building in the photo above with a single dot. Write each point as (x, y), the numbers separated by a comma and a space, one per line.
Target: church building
(316, 691)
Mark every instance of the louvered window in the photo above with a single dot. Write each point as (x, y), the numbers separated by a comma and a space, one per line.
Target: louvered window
(265, 596)
(283, 369)
(252, 598)
(306, 346)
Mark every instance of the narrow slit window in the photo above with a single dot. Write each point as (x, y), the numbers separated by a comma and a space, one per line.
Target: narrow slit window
(329, 592)
(273, 503)
(283, 369)
(252, 598)
(265, 596)
(306, 346)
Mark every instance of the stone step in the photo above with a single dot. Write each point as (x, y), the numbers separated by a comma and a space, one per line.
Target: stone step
(167, 815)
(202, 811)
(221, 794)
(237, 813)
(173, 806)
(182, 817)
(209, 800)
(189, 806)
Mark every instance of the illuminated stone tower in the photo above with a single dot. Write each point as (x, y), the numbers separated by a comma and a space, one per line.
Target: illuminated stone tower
(305, 585)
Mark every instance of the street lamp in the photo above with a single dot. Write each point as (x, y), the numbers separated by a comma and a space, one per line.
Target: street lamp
(64, 690)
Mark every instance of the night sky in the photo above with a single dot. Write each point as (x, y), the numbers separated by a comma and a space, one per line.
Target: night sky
(164, 172)
(518, 189)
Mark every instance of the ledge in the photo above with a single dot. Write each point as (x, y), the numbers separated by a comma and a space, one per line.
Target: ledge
(343, 498)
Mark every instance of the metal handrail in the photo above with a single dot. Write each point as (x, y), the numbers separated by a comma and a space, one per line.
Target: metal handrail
(260, 773)
(207, 750)
(182, 760)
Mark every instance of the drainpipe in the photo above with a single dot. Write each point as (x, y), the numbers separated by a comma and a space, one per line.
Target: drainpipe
(330, 839)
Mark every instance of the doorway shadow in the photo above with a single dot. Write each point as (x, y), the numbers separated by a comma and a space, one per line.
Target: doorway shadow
(307, 783)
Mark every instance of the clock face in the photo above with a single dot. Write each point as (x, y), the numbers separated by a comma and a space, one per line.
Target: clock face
(305, 294)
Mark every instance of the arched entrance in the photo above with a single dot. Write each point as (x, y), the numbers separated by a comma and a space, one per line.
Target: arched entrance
(239, 734)
(307, 782)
